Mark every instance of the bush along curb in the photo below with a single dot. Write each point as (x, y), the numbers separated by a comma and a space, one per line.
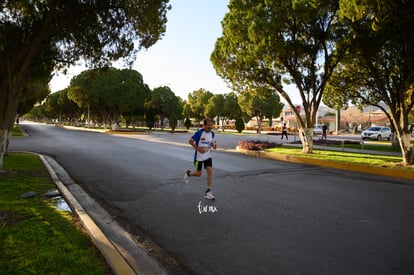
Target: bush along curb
(389, 172)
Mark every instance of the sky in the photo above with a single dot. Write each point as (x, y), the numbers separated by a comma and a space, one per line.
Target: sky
(181, 59)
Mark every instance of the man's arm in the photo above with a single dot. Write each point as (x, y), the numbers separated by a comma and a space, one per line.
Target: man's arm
(214, 145)
(194, 145)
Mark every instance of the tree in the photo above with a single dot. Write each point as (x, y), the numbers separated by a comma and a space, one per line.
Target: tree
(80, 91)
(37, 113)
(239, 125)
(223, 106)
(58, 105)
(70, 111)
(176, 113)
(52, 107)
(215, 108)
(187, 123)
(354, 117)
(379, 69)
(34, 91)
(109, 92)
(165, 104)
(271, 106)
(271, 43)
(150, 115)
(46, 35)
(231, 106)
(187, 112)
(197, 101)
(260, 103)
(137, 94)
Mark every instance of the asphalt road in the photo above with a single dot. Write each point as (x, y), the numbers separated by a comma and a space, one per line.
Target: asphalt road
(269, 217)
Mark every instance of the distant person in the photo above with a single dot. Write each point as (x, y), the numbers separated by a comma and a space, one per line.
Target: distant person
(284, 131)
(324, 130)
(202, 142)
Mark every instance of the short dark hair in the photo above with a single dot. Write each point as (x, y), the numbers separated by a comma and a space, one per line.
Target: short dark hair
(207, 120)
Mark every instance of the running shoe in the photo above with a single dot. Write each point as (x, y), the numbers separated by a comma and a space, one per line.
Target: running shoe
(187, 176)
(209, 195)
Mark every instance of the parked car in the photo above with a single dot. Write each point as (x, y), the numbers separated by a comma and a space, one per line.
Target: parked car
(377, 132)
(317, 130)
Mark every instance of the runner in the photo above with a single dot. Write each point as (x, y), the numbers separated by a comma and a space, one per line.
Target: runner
(202, 142)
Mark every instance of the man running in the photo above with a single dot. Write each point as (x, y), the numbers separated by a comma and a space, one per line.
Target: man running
(202, 142)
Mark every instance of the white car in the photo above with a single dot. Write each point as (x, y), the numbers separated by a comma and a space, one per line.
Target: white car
(377, 132)
(317, 130)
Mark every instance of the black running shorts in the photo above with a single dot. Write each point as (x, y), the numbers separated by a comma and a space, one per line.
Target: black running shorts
(199, 164)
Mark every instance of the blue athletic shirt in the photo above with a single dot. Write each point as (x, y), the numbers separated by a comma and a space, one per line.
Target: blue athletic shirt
(204, 140)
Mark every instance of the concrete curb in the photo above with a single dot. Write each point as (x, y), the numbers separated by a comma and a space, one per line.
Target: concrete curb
(118, 247)
(108, 250)
(389, 172)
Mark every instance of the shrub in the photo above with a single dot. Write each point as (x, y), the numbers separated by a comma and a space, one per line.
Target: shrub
(239, 124)
(187, 123)
(257, 145)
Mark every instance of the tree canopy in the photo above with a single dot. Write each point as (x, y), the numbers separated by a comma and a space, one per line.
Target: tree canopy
(109, 92)
(197, 101)
(223, 106)
(272, 43)
(379, 69)
(260, 103)
(46, 35)
(166, 104)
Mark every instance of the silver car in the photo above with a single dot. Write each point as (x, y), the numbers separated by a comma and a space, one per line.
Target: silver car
(377, 132)
(317, 130)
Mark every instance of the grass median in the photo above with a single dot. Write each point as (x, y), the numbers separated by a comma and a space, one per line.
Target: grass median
(35, 237)
(346, 157)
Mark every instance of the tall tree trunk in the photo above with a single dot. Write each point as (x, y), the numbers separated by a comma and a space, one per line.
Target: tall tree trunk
(407, 151)
(11, 83)
(270, 121)
(354, 128)
(259, 124)
(306, 137)
(9, 100)
(3, 143)
(400, 124)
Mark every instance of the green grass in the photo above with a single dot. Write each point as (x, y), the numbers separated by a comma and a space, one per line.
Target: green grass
(16, 131)
(355, 158)
(36, 238)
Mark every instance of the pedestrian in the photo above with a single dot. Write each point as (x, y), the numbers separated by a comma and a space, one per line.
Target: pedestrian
(324, 130)
(202, 142)
(284, 131)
